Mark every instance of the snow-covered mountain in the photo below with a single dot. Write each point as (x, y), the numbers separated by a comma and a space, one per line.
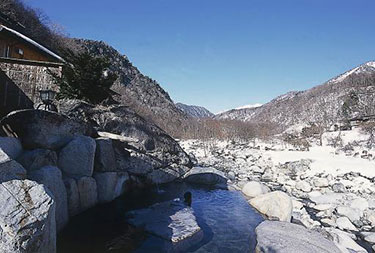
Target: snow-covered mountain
(195, 111)
(312, 105)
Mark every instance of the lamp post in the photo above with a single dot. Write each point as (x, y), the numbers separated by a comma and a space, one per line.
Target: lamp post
(47, 97)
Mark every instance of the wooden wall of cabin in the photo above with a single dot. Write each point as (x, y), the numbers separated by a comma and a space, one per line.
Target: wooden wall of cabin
(26, 81)
(10, 48)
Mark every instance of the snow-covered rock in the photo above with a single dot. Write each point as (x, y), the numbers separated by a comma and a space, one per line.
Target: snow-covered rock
(274, 205)
(253, 189)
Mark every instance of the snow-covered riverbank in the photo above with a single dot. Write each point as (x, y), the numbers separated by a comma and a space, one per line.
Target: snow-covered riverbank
(333, 189)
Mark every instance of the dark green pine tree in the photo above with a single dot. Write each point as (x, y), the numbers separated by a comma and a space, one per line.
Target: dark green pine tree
(85, 77)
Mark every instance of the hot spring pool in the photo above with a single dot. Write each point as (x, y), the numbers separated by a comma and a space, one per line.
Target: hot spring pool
(227, 222)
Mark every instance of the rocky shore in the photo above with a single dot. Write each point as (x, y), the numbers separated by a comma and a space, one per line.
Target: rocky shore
(54, 166)
(284, 184)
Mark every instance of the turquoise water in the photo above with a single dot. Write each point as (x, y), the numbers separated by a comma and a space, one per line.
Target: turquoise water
(227, 222)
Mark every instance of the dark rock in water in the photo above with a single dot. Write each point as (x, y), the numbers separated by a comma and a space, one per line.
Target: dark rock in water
(207, 176)
(42, 129)
(110, 185)
(171, 220)
(285, 237)
(27, 218)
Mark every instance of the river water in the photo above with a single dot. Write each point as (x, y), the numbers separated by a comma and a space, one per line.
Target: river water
(227, 222)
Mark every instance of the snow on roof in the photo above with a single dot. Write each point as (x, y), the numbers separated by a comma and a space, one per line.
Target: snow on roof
(18, 34)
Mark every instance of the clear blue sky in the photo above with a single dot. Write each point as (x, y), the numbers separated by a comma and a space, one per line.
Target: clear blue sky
(223, 54)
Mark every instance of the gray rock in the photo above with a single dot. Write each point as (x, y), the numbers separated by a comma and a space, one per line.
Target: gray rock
(27, 218)
(339, 188)
(72, 196)
(344, 223)
(51, 177)
(303, 186)
(253, 189)
(167, 175)
(274, 205)
(359, 203)
(11, 146)
(231, 175)
(284, 237)
(320, 182)
(345, 241)
(42, 129)
(77, 158)
(110, 185)
(123, 122)
(353, 214)
(88, 193)
(369, 237)
(10, 169)
(207, 176)
(332, 198)
(105, 160)
(37, 158)
(171, 220)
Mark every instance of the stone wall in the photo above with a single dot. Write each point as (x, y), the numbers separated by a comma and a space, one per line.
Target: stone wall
(20, 82)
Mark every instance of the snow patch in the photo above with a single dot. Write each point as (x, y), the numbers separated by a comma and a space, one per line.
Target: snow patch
(249, 106)
(363, 68)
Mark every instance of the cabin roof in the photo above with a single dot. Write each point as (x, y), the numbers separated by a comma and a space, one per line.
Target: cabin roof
(31, 41)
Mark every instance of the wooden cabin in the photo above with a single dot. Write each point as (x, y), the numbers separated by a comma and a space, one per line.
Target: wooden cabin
(25, 67)
(15, 45)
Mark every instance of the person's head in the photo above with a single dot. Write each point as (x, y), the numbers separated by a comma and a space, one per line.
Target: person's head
(187, 198)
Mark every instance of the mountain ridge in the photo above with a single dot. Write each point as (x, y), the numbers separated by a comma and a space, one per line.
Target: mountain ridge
(195, 111)
(314, 104)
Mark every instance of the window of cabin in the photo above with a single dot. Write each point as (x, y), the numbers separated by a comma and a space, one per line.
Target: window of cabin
(18, 52)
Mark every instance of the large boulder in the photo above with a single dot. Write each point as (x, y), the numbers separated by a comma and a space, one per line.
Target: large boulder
(10, 169)
(51, 177)
(274, 205)
(76, 159)
(253, 189)
(27, 218)
(110, 185)
(105, 160)
(37, 158)
(43, 129)
(88, 193)
(72, 196)
(207, 176)
(168, 174)
(122, 121)
(11, 146)
(285, 237)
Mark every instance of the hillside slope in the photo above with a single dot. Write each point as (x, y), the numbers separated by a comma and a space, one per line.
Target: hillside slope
(318, 103)
(195, 111)
(139, 92)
